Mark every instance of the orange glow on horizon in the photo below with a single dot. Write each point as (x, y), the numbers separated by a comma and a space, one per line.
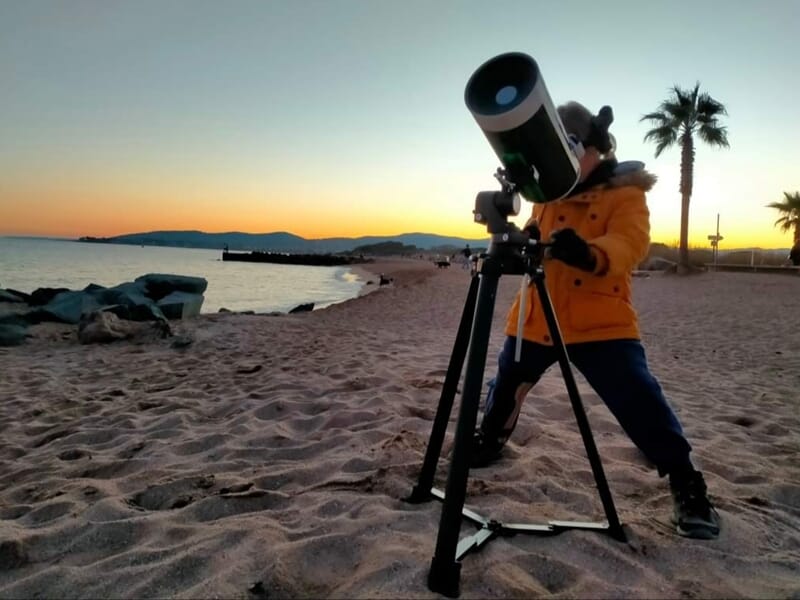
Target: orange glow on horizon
(41, 210)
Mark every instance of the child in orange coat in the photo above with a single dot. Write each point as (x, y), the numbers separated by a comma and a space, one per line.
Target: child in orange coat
(599, 234)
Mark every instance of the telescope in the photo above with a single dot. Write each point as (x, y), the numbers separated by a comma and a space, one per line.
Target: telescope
(509, 100)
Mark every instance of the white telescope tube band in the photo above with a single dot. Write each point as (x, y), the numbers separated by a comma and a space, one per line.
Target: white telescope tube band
(537, 99)
(523, 301)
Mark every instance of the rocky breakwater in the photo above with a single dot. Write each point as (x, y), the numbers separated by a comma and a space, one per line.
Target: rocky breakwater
(103, 314)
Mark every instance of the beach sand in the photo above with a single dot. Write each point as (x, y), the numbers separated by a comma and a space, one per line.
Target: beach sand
(269, 457)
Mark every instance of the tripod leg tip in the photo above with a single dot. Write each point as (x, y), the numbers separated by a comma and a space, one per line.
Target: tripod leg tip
(418, 495)
(620, 533)
(443, 578)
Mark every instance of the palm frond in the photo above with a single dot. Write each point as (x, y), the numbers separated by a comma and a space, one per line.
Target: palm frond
(661, 146)
(714, 134)
(784, 223)
(664, 137)
(707, 106)
(663, 133)
(792, 200)
(789, 208)
(789, 205)
(658, 117)
(676, 109)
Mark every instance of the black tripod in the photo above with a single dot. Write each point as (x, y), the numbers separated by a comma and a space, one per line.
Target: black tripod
(510, 252)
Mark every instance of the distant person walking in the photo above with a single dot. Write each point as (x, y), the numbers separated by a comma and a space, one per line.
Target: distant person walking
(467, 252)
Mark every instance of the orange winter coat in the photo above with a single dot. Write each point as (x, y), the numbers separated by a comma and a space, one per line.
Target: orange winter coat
(613, 218)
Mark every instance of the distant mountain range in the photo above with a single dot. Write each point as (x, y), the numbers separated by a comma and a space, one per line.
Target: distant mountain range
(282, 241)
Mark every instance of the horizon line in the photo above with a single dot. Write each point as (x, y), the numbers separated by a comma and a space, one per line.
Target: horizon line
(77, 239)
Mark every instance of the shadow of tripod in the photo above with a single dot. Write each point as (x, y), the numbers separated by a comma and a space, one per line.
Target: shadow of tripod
(510, 252)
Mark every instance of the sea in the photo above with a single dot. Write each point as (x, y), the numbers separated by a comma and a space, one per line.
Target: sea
(30, 263)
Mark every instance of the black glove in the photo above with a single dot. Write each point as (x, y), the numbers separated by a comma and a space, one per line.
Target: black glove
(570, 248)
(532, 229)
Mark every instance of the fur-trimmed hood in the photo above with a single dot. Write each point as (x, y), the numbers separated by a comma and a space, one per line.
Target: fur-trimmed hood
(613, 174)
(640, 178)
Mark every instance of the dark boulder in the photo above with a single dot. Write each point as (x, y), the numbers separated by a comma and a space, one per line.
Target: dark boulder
(42, 296)
(302, 308)
(14, 319)
(159, 285)
(180, 305)
(68, 307)
(9, 297)
(147, 298)
(26, 298)
(12, 335)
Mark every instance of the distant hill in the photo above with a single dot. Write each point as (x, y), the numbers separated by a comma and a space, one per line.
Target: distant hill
(281, 241)
(406, 243)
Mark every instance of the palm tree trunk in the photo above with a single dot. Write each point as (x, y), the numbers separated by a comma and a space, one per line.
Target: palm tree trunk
(683, 253)
(687, 174)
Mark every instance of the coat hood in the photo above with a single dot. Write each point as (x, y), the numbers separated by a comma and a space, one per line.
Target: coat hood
(611, 173)
(636, 176)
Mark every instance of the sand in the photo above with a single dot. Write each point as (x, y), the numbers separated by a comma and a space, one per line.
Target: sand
(269, 457)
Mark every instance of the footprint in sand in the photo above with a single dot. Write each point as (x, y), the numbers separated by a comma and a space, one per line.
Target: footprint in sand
(173, 495)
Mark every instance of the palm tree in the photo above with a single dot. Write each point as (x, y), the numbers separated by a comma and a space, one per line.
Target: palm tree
(681, 116)
(789, 208)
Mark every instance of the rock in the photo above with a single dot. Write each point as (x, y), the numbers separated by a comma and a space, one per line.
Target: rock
(26, 298)
(302, 308)
(122, 311)
(12, 335)
(159, 285)
(130, 295)
(181, 341)
(102, 327)
(9, 297)
(180, 305)
(130, 301)
(68, 307)
(147, 312)
(42, 296)
(14, 319)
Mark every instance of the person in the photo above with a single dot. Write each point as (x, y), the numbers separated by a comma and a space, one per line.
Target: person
(467, 252)
(599, 234)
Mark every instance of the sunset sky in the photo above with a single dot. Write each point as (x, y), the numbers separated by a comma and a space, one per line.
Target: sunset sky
(346, 118)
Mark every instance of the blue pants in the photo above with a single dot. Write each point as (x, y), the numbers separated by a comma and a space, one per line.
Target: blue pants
(617, 371)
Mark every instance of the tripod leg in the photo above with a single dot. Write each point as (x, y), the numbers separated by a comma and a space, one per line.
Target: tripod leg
(614, 526)
(444, 573)
(422, 491)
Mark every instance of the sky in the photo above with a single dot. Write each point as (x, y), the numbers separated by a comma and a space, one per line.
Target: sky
(347, 118)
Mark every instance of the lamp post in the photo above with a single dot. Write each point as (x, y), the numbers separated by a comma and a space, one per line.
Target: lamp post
(715, 240)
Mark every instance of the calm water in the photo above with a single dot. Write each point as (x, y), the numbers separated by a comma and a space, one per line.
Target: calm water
(27, 264)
